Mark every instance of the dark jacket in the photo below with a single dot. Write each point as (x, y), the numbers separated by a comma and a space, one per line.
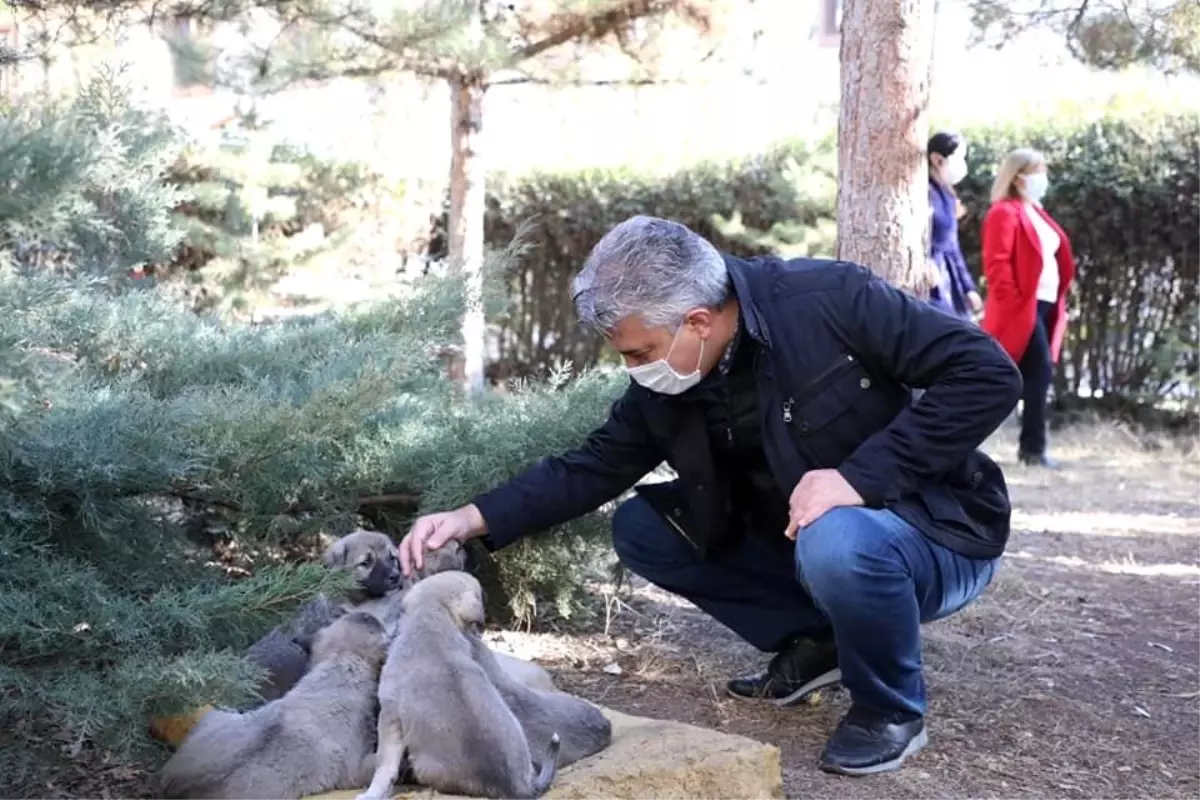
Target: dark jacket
(956, 281)
(839, 349)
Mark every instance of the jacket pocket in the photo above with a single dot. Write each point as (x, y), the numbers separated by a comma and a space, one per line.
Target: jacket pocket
(837, 411)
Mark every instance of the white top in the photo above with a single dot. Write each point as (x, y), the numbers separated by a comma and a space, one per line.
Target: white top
(1047, 288)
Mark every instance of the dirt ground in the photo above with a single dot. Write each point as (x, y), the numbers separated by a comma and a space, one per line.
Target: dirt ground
(1077, 674)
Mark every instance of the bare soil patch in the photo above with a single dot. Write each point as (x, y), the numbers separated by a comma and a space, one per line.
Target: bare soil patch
(1076, 675)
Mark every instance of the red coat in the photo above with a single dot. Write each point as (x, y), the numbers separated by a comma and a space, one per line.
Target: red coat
(1012, 264)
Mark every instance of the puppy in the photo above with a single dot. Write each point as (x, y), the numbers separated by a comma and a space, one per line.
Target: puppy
(544, 715)
(317, 738)
(438, 707)
(364, 551)
(379, 586)
(374, 562)
(282, 653)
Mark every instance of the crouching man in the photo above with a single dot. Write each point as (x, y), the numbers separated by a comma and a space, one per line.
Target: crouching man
(819, 512)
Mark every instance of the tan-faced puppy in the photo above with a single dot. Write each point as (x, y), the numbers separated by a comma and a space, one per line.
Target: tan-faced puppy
(580, 726)
(283, 652)
(318, 737)
(371, 557)
(438, 708)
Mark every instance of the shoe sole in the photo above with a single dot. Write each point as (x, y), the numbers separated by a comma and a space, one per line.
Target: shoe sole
(822, 681)
(918, 742)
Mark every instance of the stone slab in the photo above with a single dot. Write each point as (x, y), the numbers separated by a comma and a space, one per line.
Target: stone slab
(653, 759)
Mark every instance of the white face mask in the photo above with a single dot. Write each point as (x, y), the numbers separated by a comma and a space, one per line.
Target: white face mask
(954, 169)
(659, 376)
(1036, 184)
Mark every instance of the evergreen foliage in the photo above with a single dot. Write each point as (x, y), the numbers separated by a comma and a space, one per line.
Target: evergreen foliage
(160, 469)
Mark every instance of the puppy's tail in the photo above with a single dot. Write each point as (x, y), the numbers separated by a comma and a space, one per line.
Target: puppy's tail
(545, 775)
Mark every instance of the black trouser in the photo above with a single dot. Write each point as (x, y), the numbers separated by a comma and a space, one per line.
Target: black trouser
(1037, 370)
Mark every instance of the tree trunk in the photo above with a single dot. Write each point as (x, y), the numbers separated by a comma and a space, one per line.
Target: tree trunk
(883, 127)
(467, 205)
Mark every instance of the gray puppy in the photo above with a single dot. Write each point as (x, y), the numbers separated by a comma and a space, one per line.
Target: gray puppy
(581, 727)
(319, 737)
(372, 559)
(283, 653)
(376, 570)
(438, 708)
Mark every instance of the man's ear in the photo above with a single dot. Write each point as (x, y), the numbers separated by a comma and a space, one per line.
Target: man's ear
(700, 320)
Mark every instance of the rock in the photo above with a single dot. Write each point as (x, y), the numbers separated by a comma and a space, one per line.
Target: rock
(651, 758)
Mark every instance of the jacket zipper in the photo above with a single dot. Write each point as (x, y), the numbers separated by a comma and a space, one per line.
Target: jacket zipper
(841, 364)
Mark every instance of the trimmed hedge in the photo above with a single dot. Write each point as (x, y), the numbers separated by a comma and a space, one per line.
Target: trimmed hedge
(567, 212)
(1126, 188)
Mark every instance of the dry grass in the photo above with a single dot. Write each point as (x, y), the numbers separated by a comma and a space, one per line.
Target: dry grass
(1075, 675)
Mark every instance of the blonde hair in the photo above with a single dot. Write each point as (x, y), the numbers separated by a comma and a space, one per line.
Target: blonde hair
(1017, 163)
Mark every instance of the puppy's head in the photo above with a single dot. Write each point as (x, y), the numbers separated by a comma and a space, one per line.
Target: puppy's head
(450, 556)
(454, 593)
(357, 634)
(371, 558)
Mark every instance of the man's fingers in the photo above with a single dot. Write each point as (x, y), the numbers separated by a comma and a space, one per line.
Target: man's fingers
(803, 517)
(438, 537)
(412, 548)
(406, 555)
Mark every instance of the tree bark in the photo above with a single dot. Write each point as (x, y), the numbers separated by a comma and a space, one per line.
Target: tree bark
(467, 206)
(883, 127)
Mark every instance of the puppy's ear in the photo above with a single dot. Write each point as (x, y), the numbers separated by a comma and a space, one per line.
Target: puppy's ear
(335, 555)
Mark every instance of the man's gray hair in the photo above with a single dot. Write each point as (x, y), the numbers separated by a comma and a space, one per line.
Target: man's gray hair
(651, 268)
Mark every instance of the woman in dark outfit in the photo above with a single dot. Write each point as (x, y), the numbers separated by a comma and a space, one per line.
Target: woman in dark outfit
(954, 289)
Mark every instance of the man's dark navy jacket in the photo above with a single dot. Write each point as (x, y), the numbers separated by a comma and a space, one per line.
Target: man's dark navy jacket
(838, 351)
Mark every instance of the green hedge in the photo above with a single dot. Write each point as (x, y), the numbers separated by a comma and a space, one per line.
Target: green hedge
(567, 213)
(1126, 189)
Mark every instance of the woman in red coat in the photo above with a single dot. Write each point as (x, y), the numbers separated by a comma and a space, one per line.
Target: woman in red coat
(1028, 265)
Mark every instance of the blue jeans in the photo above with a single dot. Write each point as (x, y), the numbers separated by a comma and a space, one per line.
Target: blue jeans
(864, 573)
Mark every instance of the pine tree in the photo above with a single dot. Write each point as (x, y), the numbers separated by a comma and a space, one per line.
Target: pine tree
(883, 124)
(160, 469)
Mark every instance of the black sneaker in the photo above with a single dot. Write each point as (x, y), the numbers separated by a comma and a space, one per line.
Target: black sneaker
(868, 741)
(1037, 460)
(793, 674)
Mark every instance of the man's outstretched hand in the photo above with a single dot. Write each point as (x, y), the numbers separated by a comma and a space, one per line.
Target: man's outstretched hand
(817, 492)
(433, 530)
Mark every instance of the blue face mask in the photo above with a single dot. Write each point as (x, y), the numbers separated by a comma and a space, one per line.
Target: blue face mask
(1036, 184)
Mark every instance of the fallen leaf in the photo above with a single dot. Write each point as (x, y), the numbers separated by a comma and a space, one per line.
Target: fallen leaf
(613, 668)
